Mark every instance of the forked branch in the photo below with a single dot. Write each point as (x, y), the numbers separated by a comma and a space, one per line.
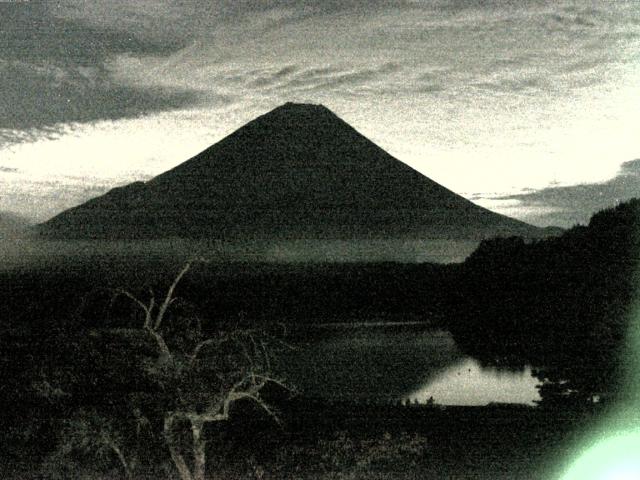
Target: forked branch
(169, 299)
(152, 325)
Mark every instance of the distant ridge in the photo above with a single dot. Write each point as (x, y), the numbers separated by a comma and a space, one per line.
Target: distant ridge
(295, 172)
(13, 226)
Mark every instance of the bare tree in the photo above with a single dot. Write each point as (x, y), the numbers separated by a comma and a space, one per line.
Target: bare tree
(201, 381)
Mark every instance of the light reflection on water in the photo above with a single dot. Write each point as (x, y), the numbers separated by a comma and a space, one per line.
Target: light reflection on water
(468, 383)
(377, 364)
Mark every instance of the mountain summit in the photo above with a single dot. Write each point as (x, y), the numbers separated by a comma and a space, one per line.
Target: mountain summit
(295, 172)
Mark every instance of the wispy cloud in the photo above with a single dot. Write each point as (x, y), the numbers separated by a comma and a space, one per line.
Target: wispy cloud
(572, 204)
(46, 95)
(48, 197)
(52, 71)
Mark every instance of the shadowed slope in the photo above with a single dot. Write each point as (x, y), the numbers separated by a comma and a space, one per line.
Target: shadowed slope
(298, 171)
(12, 226)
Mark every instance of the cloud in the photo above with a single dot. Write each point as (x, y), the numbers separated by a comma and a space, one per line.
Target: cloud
(328, 78)
(33, 31)
(41, 95)
(267, 79)
(574, 204)
(43, 199)
(187, 46)
(57, 59)
(52, 70)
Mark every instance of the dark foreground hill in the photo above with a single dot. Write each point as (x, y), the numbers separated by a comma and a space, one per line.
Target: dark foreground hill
(296, 172)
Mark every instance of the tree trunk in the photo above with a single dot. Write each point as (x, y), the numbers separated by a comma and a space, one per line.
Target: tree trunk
(176, 456)
(165, 353)
(199, 451)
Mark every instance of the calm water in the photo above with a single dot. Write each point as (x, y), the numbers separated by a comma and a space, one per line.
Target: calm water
(381, 364)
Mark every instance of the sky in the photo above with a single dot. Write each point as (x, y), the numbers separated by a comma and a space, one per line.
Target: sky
(527, 108)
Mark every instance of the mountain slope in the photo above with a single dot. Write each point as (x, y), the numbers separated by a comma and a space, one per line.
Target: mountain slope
(12, 226)
(298, 171)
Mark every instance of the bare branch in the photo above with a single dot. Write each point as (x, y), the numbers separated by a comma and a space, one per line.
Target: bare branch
(132, 297)
(261, 403)
(245, 352)
(269, 379)
(231, 397)
(145, 308)
(202, 344)
(118, 452)
(152, 303)
(165, 353)
(176, 456)
(265, 354)
(253, 342)
(168, 298)
(207, 417)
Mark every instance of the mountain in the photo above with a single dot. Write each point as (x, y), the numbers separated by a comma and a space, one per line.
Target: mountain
(296, 172)
(12, 226)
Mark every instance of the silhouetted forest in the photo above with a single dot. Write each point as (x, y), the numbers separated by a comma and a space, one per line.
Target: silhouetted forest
(63, 295)
(562, 305)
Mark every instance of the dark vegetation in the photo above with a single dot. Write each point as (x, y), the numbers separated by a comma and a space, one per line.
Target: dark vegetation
(563, 304)
(88, 387)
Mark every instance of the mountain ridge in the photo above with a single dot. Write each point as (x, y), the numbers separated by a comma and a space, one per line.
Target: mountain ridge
(297, 171)
(13, 226)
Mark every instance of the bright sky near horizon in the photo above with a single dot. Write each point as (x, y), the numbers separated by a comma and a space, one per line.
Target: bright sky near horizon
(528, 108)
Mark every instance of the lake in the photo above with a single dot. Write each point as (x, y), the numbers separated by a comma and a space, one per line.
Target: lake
(397, 363)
